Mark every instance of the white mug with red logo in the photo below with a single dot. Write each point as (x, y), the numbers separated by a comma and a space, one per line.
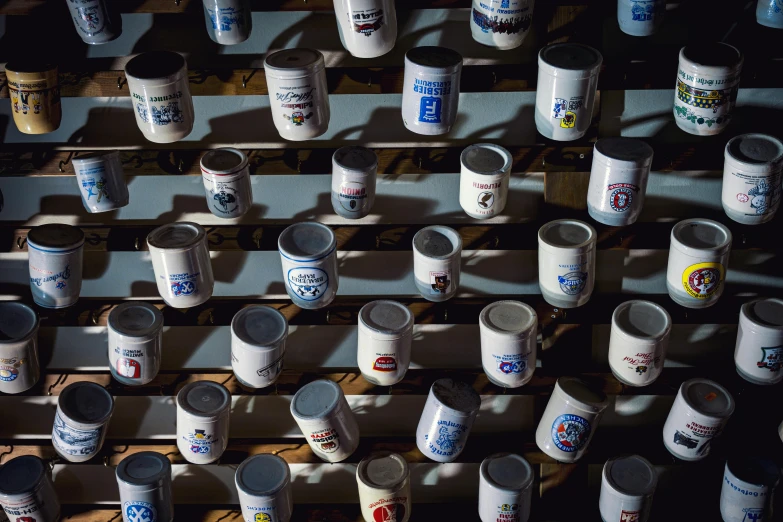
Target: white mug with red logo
(368, 28)
(384, 487)
(384, 347)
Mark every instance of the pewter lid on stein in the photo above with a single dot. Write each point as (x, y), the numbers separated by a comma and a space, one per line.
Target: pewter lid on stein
(631, 475)
(136, 320)
(507, 471)
(355, 158)
(694, 236)
(262, 475)
(569, 235)
(176, 236)
(154, 65)
(293, 63)
(17, 322)
(509, 318)
(204, 399)
(712, 56)
(437, 242)
(441, 60)
(755, 149)
(570, 60)
(383, 470)
(755, 470)
(260, 326)
(86, 403)
(456, 396)
(643, 320)
(707, 398)
(309, 241)
(765, 314)
(55, 237)
(316, 400)
(21, 475)
(622, 152)
(147, 468)
(386, 317)
(222, 162)
(486, 158)
(580, 393)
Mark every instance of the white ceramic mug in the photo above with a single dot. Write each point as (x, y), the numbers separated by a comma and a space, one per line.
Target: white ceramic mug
(354, 176)
(101, 181)
(384, 487)
(384, 342)
(566, 262)
(758, 354)
(505, 488)
(19, 366)
(483, 180)
(446, 420)
(135, 342)
(627, 487)
(437, 257)
(308, 254)
(258, 342)
(144, 482)
(92, 20)
(503, 24)
(81, 421)
(430, 90)
(203, 410)
(638, 342)
(640, 17)
(770, 13)
(748, 489)
(226, 176)
(368, 28)
(263, 484)
(27, 492)
(508, 343)
(55, 258)
(229, 22)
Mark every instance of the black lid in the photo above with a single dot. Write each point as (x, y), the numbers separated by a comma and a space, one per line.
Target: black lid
(204, 399)
(21, 475)
(262, 475)
(147, 468)
(55, 236)
(17, 321)
(29, 66)
(713, 54)
(755, 470)
(154, 64)
(86, 403)
(456, 395)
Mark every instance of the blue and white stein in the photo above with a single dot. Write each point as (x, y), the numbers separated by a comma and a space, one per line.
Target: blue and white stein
(430, 91)
(308, 253)
(448, 416)
(566, 262)
(144, 481)
(83, 413)
(749, 485)
(640, 17)
(101, 181)
(229, 22)
(503, 24)
(27, 492)
(93, 22)
(203, 410)
(55, 257)
(770, 13)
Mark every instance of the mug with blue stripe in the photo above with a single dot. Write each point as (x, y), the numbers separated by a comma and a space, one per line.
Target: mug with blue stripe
(308, 253)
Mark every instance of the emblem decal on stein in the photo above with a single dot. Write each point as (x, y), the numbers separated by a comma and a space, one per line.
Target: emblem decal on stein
(88, 184)
(486, 200)
(496, 24)
(448, 440)
(183, 284)
(162, 115)
(226, 19)
(298, 118)
(753, 514)
(128, 368)
(225, 199)
(683, 440)
(642, 10)
(72, 441)
(569, 120)
(621, 196)
(572, 283)
(385, 364)
(440, 281)
(430, 109)
(353, 195)
(771, 358)
(389, 513)
(138, 511)
(8, 374)
(200, 442)
(508, 367)
(327, 440)
(367, 24)
(629, 516)
(308, 283)
(702, 279)
(570, 432)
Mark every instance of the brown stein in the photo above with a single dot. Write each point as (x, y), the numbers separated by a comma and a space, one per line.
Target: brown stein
(35, 96)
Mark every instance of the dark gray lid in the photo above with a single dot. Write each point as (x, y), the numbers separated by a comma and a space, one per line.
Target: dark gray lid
(755, 470)
(631, 475)
(383, 470)
(154, 64)
(708, 398)
(438, 242)
(355, 158)
(259, 326)
(297, 61)
(176, 236)
(642, 319)
(765, 312)
(486, 158)
(386, 317)
(567, 233)
(435, 58)
(262, 475)
(136, 319)
(579, 391)
(756, 149)
(316, 400)
(21, 475)
(17, 321)
(204, 399)
(223, 161)
(507, 471)
(146, 468)
(626, 152)
(713, 54)
(86, 403)
(308, 241)
(572, 56)
(456, 395)
(509, 318)
(55, 236)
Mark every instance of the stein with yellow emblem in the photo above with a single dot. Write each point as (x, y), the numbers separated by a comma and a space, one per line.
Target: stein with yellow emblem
(34, 89)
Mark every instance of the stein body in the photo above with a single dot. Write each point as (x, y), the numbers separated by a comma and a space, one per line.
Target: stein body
(430, 90)
(229, 22)
(752, 177)
(627, 487)
(354, 176)
(144, 481)
(160, 94)
(448, 416)
(508, 343)
(263, 483)
(55, 257)
(226, 176)
(308, 254)
(770, 13)
(135, 342)
(203, 409)
(34, 89)
(748, 489)
(258, 341)
(640, 17)
(483, 180)
(758, 354)
(101, 181)
(384, 345)
(93, 22)
(618, 180)
(437, 257)
(638, 341)
(19, 366)
(27, 492)
(83, 413)
(566, 262)
(368, 28)
(565, 93)
(708, 78)
(503, 24)
(505, 488)
(298, 94)
(384, 487)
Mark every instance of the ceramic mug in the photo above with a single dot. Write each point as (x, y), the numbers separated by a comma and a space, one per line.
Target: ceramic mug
(34, 89)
